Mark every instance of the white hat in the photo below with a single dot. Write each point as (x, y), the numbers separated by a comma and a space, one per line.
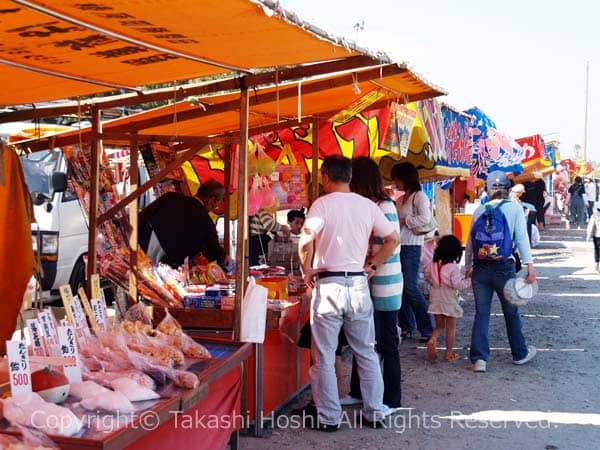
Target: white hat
(517, 291)
(518, 188)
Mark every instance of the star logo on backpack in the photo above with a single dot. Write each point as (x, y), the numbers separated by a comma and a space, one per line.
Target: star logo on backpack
(491, 238)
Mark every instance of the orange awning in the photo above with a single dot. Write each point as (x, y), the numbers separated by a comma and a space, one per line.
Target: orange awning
(119, 44)
(323, 97)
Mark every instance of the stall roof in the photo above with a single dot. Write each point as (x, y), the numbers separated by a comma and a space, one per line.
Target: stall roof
(61, 49)
(323, 96)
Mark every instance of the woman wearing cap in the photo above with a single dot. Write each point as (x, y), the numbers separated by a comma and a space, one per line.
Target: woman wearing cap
(489, 276)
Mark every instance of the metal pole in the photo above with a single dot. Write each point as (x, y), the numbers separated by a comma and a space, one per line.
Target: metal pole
(241, 270)
(587, 92)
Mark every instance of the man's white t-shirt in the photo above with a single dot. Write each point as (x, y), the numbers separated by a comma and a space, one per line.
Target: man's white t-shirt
(343, 223)
(590, 191)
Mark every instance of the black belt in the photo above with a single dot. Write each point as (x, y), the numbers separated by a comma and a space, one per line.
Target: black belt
(326, 274)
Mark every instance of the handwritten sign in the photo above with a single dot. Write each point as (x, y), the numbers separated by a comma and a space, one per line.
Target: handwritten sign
(100, 315)
(68, 349)
(48, 324)
(95, 283)
(88, 310)
(74, 312)
(37, 338)
(18, 366)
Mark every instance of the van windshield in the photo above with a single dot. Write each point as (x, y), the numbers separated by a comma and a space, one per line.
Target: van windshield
(38, 168)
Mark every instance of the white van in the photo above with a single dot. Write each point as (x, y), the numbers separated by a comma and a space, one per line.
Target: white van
(60, 230)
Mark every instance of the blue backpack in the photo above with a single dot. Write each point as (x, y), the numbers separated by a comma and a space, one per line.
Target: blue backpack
(491, 238)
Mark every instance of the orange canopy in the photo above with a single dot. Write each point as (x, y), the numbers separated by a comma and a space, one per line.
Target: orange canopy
(323, 96)
(120, 44)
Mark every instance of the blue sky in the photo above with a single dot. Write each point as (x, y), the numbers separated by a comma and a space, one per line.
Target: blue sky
(522, 62)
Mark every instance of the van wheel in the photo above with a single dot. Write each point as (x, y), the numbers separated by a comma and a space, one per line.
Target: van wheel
(78, 276)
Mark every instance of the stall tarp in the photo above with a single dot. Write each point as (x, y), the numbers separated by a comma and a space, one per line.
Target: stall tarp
(188, 37)
(492, 149)
(16, 255)
(534, 150)
(459, 141)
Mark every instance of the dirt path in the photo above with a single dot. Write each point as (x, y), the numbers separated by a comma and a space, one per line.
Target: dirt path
(552, 402)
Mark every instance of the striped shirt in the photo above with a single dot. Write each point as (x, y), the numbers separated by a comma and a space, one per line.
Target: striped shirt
(263, 222)
(387, 282)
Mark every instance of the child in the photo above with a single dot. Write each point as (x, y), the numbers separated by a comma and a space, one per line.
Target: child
(446, 279)
(593, 232)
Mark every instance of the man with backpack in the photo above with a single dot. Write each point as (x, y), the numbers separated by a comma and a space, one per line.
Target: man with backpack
(497, 228)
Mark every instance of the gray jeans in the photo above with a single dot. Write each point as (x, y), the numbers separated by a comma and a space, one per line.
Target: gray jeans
(337, 302)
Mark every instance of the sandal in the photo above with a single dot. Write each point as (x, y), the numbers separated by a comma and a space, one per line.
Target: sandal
(432, 352)
(452, 357)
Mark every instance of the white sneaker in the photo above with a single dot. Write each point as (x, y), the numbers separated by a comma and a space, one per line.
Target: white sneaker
(348, 400)
(479, 366)
(530, 354)
(388, 410)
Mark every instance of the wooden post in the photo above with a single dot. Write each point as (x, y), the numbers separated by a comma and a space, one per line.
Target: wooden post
(315, 161)
(241, 271)
(133, 216)
(96, 151)
(227, 201)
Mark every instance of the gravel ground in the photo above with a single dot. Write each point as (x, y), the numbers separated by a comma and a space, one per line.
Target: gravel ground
(550, 403)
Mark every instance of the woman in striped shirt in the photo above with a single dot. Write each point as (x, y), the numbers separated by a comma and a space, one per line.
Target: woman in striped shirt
(386, 287)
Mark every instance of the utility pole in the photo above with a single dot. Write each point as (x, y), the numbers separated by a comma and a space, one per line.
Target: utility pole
(585, 125)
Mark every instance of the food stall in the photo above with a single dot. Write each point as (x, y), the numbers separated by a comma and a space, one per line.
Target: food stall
(277, 98)
(278, 355)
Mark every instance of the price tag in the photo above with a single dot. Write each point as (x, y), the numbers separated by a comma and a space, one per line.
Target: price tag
(46, 319)
(95, 284)
(88, 310)
(82, 324)
(99, 312)
(18, 366)
(37, 338)
(74, 312)
(68, 348)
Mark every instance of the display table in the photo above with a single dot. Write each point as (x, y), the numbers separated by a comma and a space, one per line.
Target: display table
(202, 418)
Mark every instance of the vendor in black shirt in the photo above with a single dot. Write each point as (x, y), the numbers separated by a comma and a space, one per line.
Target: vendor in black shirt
(176, 226)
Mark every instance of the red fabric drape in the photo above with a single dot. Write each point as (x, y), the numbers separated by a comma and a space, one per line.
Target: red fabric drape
(196, 428)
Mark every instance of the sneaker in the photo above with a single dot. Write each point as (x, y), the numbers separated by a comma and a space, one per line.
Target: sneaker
(381, 421)
(479, 366)
(530, 354)
(348, 400)
(310, 418)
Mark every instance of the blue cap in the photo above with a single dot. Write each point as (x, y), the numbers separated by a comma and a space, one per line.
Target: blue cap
(497, 181)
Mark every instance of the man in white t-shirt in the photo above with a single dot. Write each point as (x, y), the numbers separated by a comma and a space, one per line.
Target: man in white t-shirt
(336, 233)
(590, 196)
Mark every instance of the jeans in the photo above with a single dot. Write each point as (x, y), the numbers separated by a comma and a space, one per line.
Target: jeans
(577, 209)
(487, 278)
(344, 302)
(410, 256)
(386, 335)
(590, 209)
(596, 249)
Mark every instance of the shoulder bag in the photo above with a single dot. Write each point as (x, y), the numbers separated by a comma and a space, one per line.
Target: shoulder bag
(427, 228)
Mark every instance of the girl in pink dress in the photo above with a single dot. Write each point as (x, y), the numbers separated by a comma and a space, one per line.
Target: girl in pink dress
(446, 280)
